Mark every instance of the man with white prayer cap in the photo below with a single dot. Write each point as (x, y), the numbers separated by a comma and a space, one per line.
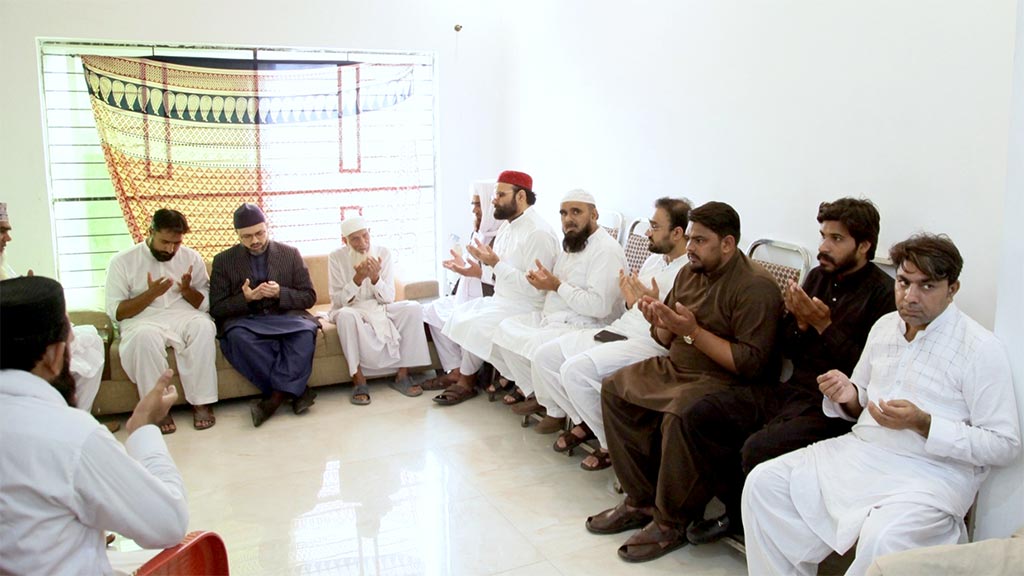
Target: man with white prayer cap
(523, 240)
(581, 291)
(376, 332)
(471, 285)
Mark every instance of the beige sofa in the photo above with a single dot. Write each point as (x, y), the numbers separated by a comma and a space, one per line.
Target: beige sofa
(118, 394)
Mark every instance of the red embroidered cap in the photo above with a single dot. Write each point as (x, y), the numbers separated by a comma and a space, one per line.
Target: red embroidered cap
(521, 179)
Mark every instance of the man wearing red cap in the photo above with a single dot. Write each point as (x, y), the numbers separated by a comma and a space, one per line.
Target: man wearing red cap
(523, 240)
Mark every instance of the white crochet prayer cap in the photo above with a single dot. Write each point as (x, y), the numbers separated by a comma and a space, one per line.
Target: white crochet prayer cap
(352, 225)
(579, 195)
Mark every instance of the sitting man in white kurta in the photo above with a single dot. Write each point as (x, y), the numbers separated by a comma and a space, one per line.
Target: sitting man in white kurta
(65, 479)
(158, 291)
(567, 372)
(376, 332)
(470, 286)
(940, 411)
(524, 239)
(581, 292)
(87, 349)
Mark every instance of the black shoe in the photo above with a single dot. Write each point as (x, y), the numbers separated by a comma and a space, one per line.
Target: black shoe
(303, 402)
(710, 530)
(259, 413)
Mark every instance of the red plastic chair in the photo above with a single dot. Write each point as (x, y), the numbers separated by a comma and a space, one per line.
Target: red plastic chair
(201, 553)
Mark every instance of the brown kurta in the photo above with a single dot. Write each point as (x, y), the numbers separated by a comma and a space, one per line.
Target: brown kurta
(740, 302)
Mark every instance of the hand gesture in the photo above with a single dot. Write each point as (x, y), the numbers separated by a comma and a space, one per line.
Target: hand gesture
(154, 406)
(542, 278)
(647, 309)
(626, 288)
(837, 387)
(251, 294)
(462, 267)
(185, 284)
(809, 312)
(159, 286)
(270, 289)
(482, 252)
(641, 290)
(372, 269)
(677, 319)
(901, 415)
(456, 260)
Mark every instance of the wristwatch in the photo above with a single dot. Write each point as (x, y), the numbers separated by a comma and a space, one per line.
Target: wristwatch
(689, 339)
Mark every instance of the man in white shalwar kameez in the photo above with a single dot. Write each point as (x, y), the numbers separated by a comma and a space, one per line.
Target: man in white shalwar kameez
(567, 372)
(524, 239)
(581, 292)
(376, 333)
(87, 349)
(158, 292)
(471, 285)
(940, 411)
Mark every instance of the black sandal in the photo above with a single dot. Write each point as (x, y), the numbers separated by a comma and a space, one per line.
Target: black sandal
(515, 396)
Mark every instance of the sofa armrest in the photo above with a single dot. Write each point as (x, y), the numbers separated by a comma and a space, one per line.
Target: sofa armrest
(96, 318)
(422, 290)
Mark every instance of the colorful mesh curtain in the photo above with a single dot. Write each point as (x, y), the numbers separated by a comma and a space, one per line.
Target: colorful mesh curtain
(203, 136)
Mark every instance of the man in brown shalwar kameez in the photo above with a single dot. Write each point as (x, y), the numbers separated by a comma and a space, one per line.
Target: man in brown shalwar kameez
(719, 324)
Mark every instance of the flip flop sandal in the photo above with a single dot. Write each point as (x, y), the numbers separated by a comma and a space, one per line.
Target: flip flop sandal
(361, 390)
(604, 460)
(455, 395)
(405, 387)
(167, 426)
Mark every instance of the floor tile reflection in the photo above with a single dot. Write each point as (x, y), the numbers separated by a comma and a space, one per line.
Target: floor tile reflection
(403, 486)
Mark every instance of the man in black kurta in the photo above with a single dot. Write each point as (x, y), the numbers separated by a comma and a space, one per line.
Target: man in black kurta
(826, 325)
(259, 293)
(719, 323)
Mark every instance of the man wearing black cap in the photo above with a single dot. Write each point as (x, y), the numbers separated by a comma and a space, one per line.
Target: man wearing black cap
(65, 478)
(259, 293)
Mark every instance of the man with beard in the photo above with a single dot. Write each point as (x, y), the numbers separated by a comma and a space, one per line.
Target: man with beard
(933, 399)
(828, 320)
(376, 332)
(581, 292)
(718, 323)
(157, 291)
(88, 352)
(65, 478)
(522, 241)
(567, 371)
(471, 285)
(259, 293)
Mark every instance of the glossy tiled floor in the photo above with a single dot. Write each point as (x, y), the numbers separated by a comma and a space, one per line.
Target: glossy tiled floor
(404, 486)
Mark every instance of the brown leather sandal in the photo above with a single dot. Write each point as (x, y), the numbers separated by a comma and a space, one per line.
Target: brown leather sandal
(604, 460)
(618, 519)
(455, 394)
(652, 542)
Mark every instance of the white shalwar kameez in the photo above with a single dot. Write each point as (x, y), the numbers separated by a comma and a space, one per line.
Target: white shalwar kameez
(437, 313)
(376, 333)
(568, 371)
(169, 321)
(518, 244)
(88, 355)
(588, 297)
(890, 490)
(87, 358)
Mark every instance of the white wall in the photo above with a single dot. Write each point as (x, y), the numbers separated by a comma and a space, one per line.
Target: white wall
(469, 64)
(775, 107)
(1001, 500)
